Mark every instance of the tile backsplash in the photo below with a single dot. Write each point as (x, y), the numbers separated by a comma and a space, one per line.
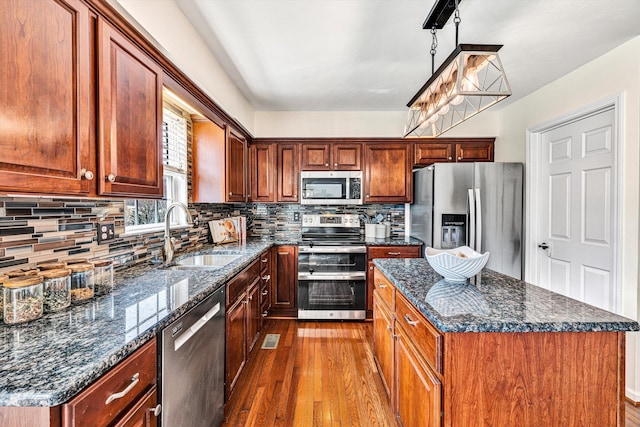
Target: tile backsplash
(38, 229)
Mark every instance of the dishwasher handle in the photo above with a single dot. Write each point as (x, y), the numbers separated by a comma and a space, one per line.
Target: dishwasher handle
(186, 336)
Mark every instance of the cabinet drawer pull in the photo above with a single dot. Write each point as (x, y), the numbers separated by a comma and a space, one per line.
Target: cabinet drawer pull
(264, 314)
(265, 292)
(115, 396)
(409, 321)
(394, 253)
(264, 260)
(380, 285)
(111, 178)
(371, 268)
(266, 277)
(388, 327)
(250, 297)
(157, 410)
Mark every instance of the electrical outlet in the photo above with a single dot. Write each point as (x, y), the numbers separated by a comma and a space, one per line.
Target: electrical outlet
(106, 232)
(296, 216)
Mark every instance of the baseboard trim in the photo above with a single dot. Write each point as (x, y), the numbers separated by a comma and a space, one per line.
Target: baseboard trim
(632, 402)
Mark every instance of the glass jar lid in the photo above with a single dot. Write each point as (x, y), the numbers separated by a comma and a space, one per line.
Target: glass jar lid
(80, 267)
(76, 261)
(55, 274)
(3, 278)
(21, 282)
(23, 272)
(51, 265)
(101, 262)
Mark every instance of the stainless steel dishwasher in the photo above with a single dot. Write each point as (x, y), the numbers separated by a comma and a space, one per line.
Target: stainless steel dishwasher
(192, 381)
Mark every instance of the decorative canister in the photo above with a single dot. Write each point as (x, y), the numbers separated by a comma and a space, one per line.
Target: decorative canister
(3, 278)
(22, 299)
(82, 282)
(103, 272)
(56, 289)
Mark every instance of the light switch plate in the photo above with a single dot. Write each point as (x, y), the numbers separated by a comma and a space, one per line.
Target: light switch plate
(106, 232)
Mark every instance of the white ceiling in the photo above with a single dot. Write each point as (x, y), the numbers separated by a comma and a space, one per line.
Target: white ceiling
(373, 55)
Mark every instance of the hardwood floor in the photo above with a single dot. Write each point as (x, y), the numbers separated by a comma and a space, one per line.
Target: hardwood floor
(321, 374)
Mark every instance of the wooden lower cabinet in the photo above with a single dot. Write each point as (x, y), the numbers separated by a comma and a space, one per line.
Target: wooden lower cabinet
(144, 413)
(236, 353)
(417, 389)
(284, 282)
(383, 341)
(253, 314)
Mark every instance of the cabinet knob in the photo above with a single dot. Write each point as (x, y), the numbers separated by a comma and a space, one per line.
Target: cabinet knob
(371, 268)
(335, 164)
(111, 178)
(450, 158)
(459, 158)
(367, 196)
(326, 164)
(88, 175)
(250, 297)
(230, 193)
(157, 410)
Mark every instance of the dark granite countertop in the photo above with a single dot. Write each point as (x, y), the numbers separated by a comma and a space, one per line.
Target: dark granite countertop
(495, 303)
(48, 361)
(394, 241)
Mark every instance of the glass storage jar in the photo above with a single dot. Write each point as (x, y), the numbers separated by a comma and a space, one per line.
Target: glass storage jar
(82, 282)
(56, 289)
(103, 276)
(22, 299)
(3, 279)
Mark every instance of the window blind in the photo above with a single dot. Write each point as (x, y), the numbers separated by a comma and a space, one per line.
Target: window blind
(174, 141)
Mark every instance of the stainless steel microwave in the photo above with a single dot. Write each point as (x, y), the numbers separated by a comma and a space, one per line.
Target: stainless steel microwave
(331, 188)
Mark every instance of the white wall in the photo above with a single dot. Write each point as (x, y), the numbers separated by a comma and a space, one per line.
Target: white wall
(388, 124)
(616, 72)
(166, 23)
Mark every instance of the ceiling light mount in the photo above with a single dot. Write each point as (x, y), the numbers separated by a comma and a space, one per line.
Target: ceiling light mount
(470, 80)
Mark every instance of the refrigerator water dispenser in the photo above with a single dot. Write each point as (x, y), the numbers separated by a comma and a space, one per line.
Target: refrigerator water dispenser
(454, 228)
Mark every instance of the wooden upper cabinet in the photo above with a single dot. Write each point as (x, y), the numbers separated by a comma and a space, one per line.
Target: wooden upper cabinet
(288, 171)
(481, 151)
(208, 162)
(129, 117)
(426, 154)
(334, 156)
(387, 173)
(316, 157)
(347, 157)
(236, 168)
(263, 172)
(454, 150)
(46, 101)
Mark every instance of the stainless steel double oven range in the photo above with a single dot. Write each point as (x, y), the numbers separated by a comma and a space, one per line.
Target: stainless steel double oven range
(332, 262)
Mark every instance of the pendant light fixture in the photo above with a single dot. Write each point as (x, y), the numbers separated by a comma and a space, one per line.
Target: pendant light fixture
(470, 80)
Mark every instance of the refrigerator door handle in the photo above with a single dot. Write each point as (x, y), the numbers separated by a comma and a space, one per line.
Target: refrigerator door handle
(478, 247)
(471, 241)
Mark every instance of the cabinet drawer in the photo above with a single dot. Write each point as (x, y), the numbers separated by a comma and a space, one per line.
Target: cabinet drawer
(424, 336)
(265, 263)
(394, 252)
(91, 408)
(237, 285)
(385, 288)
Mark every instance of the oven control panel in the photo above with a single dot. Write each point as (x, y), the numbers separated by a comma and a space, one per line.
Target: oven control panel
(331, 220)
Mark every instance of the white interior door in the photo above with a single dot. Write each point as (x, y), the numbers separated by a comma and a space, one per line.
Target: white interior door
(576, 211)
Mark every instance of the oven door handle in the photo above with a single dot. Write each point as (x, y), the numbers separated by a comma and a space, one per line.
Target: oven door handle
(332, 276)
(333, 249)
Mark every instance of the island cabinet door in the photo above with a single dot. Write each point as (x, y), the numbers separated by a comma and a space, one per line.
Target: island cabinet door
(417, 390)
(236, 342)
(383, 341)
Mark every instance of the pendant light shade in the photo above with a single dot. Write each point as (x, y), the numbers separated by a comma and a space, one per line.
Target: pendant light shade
(472, 79)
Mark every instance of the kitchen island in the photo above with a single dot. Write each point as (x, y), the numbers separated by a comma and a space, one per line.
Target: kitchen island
(496, 352)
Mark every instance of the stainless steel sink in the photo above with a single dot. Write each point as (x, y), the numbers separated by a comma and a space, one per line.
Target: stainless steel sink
(206, 261)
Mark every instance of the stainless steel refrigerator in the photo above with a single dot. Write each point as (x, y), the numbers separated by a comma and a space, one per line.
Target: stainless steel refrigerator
(474, 204)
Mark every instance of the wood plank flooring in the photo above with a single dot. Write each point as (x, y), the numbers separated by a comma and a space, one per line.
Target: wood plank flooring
(321, 374)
